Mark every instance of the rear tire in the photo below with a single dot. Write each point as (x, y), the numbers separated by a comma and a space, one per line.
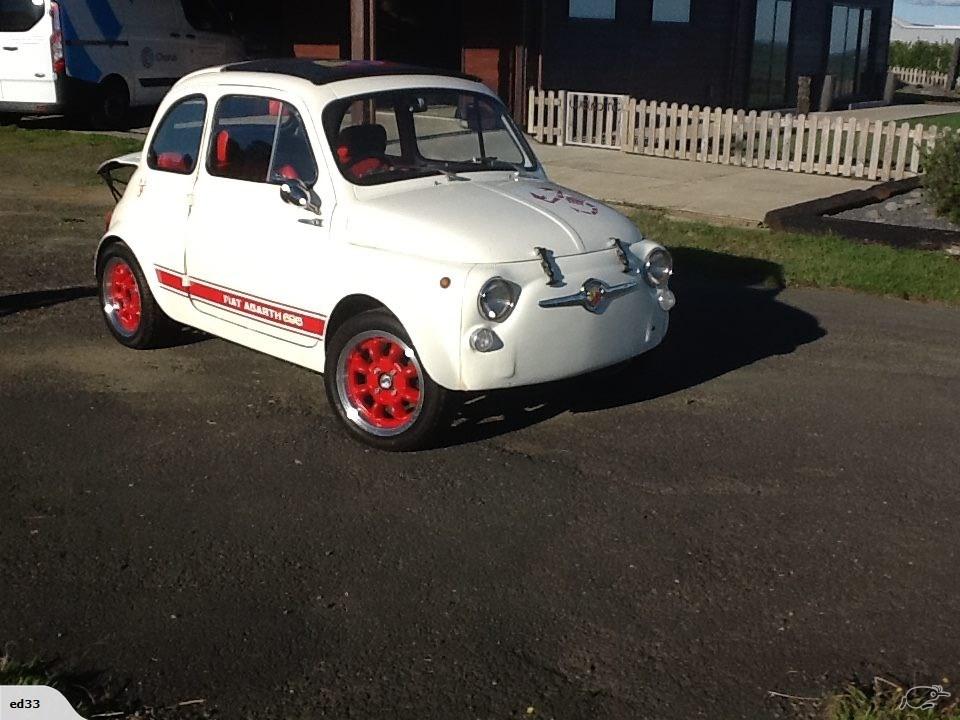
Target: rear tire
(378, 387)
(129, 308)
(111, 105)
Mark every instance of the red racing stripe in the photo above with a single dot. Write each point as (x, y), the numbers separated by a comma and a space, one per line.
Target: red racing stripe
(240, 304)
(170, 280)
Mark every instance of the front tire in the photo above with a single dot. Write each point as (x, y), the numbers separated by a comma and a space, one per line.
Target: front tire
(129, 308)
(378, 387)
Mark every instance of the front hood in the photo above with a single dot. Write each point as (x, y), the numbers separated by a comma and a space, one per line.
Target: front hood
(486, 221)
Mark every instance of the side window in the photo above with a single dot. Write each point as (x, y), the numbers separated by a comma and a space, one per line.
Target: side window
(293, 157)
(258, 139)
(176, 143)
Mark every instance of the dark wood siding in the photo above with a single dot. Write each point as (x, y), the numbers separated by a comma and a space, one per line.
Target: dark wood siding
(683, 62)
(705, 62)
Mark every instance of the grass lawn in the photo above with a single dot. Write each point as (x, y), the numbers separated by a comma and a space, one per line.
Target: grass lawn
(69, 158)
(945, 121)
(787, 260)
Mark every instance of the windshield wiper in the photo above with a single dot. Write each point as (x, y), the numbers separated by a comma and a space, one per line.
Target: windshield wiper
(492, 163)
(443, 169)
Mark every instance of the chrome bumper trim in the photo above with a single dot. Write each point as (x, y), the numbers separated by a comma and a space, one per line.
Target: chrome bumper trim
(595, 295)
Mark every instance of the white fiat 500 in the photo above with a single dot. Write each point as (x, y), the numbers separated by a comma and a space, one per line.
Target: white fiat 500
(384, 225)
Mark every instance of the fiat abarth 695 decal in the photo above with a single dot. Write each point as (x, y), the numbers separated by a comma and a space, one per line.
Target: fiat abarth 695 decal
(387, 226)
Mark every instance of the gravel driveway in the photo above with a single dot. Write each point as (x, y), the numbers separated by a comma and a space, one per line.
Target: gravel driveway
(767, 502)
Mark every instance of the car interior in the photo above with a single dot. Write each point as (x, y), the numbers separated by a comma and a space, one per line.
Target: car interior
(362, 150)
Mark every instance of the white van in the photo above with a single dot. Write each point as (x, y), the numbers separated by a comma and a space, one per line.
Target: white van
(104, 56)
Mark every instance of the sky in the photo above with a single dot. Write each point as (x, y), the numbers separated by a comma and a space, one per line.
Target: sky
(940, 12)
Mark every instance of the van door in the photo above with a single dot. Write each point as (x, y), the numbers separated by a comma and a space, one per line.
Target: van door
(26, 64)
(211, 34)
(158, 49)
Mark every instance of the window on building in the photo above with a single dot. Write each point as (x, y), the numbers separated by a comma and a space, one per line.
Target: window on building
(850, 45)
(593, 9)
(176, 142)
(771, 54)
(259, 139)
(674, 11)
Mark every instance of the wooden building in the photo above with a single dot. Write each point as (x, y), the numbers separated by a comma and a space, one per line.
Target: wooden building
(735, 53)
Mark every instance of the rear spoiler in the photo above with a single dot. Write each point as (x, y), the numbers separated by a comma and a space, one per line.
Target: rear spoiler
(108, 169)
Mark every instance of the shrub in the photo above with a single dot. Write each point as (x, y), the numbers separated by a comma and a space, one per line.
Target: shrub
(942, 178)
(921, 55)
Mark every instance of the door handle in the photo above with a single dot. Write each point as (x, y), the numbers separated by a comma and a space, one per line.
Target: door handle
(190, 36)
(174, 35)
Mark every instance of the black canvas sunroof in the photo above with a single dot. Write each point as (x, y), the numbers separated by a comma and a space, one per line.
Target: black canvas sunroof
(322, 72)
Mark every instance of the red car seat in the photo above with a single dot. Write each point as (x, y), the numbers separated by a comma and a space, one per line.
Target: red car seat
(361, 149)
(174, 162)
(224, 148)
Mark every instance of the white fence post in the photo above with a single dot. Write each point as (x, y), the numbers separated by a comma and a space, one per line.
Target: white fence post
(562, 135)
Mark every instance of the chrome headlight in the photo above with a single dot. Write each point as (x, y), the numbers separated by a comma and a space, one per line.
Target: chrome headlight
(658, 268)
(497, 299)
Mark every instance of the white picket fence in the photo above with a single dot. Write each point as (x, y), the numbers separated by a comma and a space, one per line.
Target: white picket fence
(824, 145)
(922, 78)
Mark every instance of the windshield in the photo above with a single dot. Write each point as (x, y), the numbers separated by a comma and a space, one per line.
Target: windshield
(391, 136)
(20, 15)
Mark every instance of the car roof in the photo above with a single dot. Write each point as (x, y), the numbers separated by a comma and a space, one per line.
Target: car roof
(323, 72)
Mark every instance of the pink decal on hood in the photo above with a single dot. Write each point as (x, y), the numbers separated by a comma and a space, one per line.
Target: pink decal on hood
(576, 202)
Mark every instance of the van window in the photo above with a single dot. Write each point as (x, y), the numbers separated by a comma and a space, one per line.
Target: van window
(259, 139)
(176, 143)
(19, 15)
(207, 16)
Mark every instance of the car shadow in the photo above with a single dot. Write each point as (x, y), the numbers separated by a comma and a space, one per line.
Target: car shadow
(727, 317)
(12, 304)
(40, 299)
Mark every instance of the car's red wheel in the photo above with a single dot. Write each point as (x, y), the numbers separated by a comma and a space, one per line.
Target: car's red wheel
(129, 308)
(379, 383)
(378, 386)
(121, 297)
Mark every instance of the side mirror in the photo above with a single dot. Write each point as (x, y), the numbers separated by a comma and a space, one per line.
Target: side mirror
(296, 192)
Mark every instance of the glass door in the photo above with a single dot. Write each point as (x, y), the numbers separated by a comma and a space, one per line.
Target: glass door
(850, 45)
(771, 54)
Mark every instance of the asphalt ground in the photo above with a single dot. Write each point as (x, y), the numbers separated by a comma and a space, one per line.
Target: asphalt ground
(766, 502)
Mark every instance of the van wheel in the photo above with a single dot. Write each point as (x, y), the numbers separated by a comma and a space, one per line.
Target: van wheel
(378, 387)
(129, 308)
(111, 104)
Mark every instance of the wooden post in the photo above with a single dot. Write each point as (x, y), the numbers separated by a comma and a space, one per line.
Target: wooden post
(363, 30)
(890, 89)
(803, 94)
(952, 70)
(826, 95)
